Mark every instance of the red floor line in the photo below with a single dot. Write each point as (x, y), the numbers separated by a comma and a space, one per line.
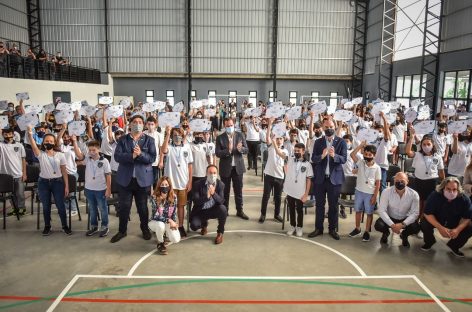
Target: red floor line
(234, 302)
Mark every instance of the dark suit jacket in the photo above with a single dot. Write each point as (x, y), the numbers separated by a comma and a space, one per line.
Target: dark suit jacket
(199, 193)
(224, 154)
(336, 172)
(142, 164)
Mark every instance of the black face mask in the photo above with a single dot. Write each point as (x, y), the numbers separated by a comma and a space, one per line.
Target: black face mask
(298, 155)
(317, 134)
(368, 159)
(329, 132)
(462, 137)
(198, 140)
(48, 146)
(264, 126)
(164, 189)
(400, 185)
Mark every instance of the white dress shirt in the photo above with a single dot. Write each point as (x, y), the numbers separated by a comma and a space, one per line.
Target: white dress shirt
(393, 206)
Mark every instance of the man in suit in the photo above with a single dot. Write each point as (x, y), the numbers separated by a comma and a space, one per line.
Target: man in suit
(208, 203)
(135, 154)
(230, 147)
(329, 153)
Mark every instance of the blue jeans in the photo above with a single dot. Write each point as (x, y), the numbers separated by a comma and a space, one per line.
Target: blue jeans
(56, 188)
(96, 200)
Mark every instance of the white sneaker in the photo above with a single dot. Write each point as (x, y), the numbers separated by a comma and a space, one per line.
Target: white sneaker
(291, 231)
(299, 231)
(73, 213)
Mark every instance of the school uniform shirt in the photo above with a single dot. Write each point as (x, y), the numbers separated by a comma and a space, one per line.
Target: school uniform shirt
(113, 163)
(200, 162)
(50, 166)
(349, 165)
(158, 141)
(381, 158)
(441, 141)
(295, 180)
(399, 132)
(393, 142)
(11, 159)
(367, 176)
(427, 167)
(251, 133)
(275, 164)
(176, 166)
(303, 136)
(210, 148)
(460, 160)
(106, 147)
(95, 173)
(69, 154)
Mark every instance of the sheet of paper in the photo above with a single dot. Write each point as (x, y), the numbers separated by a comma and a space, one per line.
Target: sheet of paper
(415, 103)
(150, 107)
(22, 96)
(348, 105)
(318, 107)
(171, 119)
(114, 111)
(107, 100)
(4, 122)
(33, 108)
(49, 108)
(200, 125)
(77, 127)
(76, 106)
(88, 111)
(126, 102)
(178, 107)
(357, 101)
(279, 130)
(293, 113)
(410, 115)
(29, 119)
(64, 116)
(196, 104)
(63, 106)
(368, 135)
(425, 127)
(210, 112)
(457, 126)
(3, 105)
(449, 112)
(343, 115)
(275, 111)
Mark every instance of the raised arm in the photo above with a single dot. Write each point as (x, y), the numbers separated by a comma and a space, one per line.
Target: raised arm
(78, 153)
(34, 147)
(409, 144)
(357, 150)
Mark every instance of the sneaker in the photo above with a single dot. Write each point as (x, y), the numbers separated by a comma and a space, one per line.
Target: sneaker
(118, 236)
(92, 231)
(22, 212)
(162, 249)
(384, 238)
(366, 237)
(73, 213)
(299, 231)
(147, 235)
(278, 218)
(47, 230)
(457, 253)
(66, 230)
(104, 232)
(291, 231)
(426, 247)
(356, 232)
(405, 242)
(182, 232)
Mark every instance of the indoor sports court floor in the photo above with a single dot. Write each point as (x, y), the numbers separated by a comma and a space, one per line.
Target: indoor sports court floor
(257, 268)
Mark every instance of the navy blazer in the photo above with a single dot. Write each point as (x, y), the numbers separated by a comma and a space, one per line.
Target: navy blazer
(199, 193)
(141, 164)
(225, 155)
(336, 172)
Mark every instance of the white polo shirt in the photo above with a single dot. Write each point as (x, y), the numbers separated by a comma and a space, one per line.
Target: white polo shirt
(381, 157)
(367, 176)
(176, 166)
(399, 132)
(427, 167)
(295, 180)
(406, 207)
(50, 166)
(251, 133)
(69, 154)
(459, 161)
(106, 147)
(441, 141)
(200, 162)
(303, 136)
(158, 141)
(275, 164)
(349, 165)
(11, 159)
(95, 173)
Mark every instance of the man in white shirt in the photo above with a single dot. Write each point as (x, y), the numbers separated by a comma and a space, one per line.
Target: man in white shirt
(398, 210)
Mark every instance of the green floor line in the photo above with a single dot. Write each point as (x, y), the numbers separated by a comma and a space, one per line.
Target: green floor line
(223, 280)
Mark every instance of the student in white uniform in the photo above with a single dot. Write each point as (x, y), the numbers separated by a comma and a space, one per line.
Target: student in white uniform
(106, 148)
(13, 163)
(53, 179)
(200, 157)
(179, 168)
(273, 174)
(384, 145)
(210, 147)
(65, 145)
(367, 188)
(290, 144)
(399, 131)
(252, 139)
(428, 164)
(297, 187)
(442, 141)
(151, 125)
(113, 163)
(461, 150)
(97, 185)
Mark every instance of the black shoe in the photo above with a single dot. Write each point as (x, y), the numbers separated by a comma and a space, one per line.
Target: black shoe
(356, 232)
(92, 231)
(456, 252)
(47, 230)
(66, 230)
(162, 249)
(334, 234)
(278, 218)
(384, 238)
(117, 237)
(242, 215)
(182, 231)
(426, 247)
(147, 235)
(315, 233)
(405, 242)
(104, 232)
(261, 219)
(342, 213)
(366, 237)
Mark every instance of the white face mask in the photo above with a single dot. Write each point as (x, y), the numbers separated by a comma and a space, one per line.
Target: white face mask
(427, 149)
(450, 195)
(211, 178)
(136, 128)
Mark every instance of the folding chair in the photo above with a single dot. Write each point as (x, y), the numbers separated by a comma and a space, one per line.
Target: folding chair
(348, 188)
(81, 180)
(391, 172)
(72, 196)
(32, 177)
(7, 189)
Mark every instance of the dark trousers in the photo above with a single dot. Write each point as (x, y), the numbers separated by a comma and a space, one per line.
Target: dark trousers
(332, 192)
(252, 154)
(410, 229)
(237, 189)
(457, 243)
(199, 219)
(270, 183)
(190, 194)
(293, 205)
(126, 200)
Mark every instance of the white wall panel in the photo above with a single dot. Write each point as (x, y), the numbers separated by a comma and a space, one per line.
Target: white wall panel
(14, 22)
(457, 25)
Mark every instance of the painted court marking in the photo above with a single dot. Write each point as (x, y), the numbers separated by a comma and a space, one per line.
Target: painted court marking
(354, 264)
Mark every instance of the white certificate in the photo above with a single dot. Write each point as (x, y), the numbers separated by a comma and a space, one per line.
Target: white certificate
(196, 104)
(457, 126)
(150, 107)
(275, 111)
(423, 112)
(64, 116)
(293, 113)
(210, 112)
(88, 111)
(343, 115)
(22, 96)
(169, 119)
(33, 108)
(348, 105)
(4, 122)
(107, 100)
(318, 107)
(410, 115)
(77, 127)
(449, 112)
(30, 119)
(63, 106)
(200, 125)
(3, 105)
(368, 135)
(415, 103)
(114, 111)
(279, 130)
(425, 126)
(76, 106)
(178, 107)
(49, 108)
(357, 101)
(126, 102)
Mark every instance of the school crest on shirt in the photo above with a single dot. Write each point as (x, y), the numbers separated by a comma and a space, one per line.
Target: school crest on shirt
(210, 148)
(100, 164)
(16, 148)
(303, 169)
(435, 161)
(204, 148)
(185, 154)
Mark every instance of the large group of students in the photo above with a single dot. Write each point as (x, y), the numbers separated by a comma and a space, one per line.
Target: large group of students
(169, 168)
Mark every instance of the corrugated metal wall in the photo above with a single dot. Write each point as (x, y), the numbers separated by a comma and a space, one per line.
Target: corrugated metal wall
(315, 37)
(231, 36)
(14, 22)
(76, 28)
(457, 25)
(147, 36)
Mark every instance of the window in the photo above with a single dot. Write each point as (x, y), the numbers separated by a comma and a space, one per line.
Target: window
(170, 97)
(292, 95)
(211, 97)
(272, 96)
(193, 95)
(415, 87)
(409, 87)
(457, 87)
(462, 87)
(253, 98)
(315, 96)
(449, 85)
(232, 97)
(149, 96)
(399, 91)
(333, 101)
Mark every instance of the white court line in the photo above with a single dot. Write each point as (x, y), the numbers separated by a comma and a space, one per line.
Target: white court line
(431, 294)
(354, 264)
(63, 293)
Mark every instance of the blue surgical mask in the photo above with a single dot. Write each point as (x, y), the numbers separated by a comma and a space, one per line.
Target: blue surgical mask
(229, 130)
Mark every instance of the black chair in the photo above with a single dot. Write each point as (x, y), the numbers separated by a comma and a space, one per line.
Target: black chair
(7, 188)
(72, 196)
(408, 165)
(348, 188)
(32, 177)
(391, 172)
(81, 180)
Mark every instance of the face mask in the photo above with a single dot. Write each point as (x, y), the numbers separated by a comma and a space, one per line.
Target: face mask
(302, 126)
(368, 159)
(450, 195)
(198, 140)
(462, 137)
(177, 139)
(380, 137)
(135, 128)
(199, 116)
(57, 130)
(400, 185)
(114, 128)
(317, 134)
(329, 132)
(229, 129)
(211, 178)
(66, 142)
(49, 146)
(426, 149)
(297, 155)
(11, 109)
(164, 189)
(264, 126)
(349, 146)
(184, 126)
(40, 134)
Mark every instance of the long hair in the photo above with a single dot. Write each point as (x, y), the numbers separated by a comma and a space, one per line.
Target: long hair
(170, 194)
(427, 138)
(56, 148)
(440, 187)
